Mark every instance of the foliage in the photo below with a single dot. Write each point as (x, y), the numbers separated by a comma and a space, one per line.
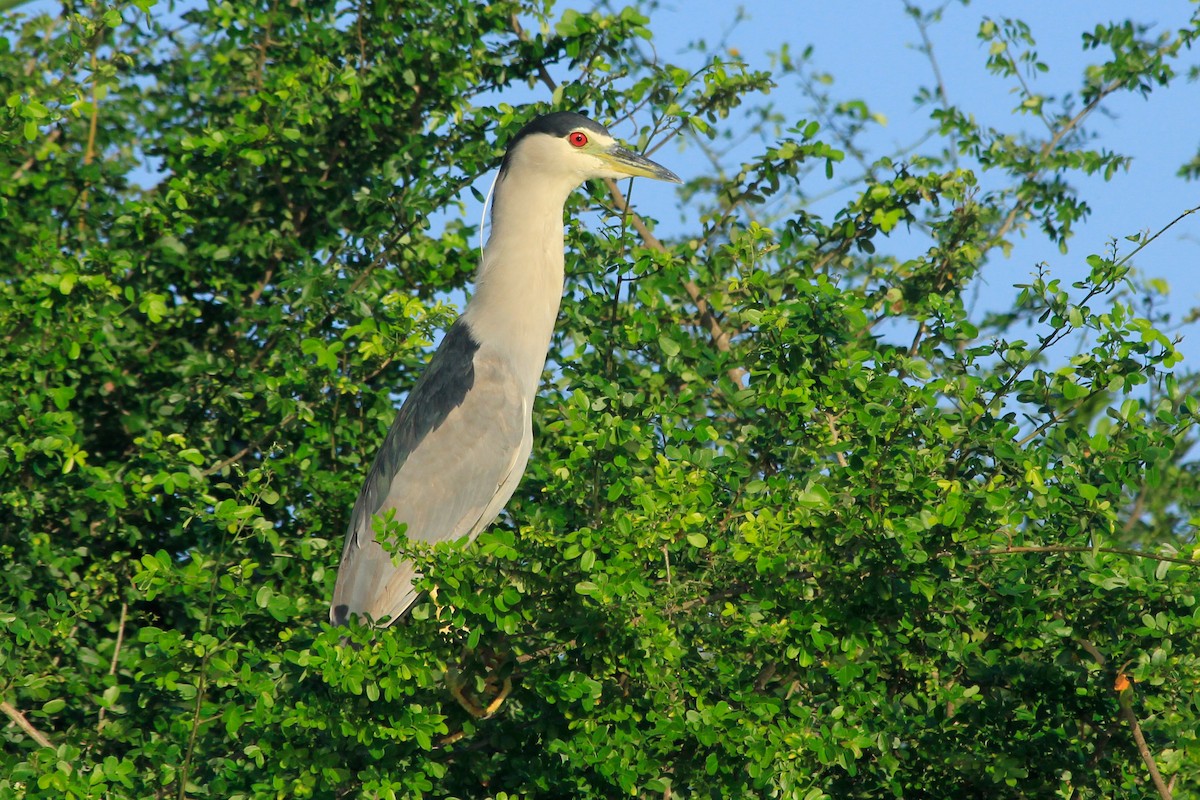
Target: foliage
(800, 522)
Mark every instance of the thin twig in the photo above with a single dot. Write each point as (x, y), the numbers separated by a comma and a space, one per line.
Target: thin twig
(1058, 416)
(543, 75)
(89, 152)
(238, 456)
(1049, 147)
(201, 689)
(24, 724)
(719, 336)
(29, 162)
(1026, 91)
(729, 591)
(927, 49)
(112, 666)
(1119, 551)
(202, 681)
(835, 439)
(1144, 244)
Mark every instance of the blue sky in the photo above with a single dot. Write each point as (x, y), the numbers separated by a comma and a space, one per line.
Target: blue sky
(871, 50)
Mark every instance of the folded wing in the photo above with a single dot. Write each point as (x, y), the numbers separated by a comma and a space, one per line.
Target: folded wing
(451, 460)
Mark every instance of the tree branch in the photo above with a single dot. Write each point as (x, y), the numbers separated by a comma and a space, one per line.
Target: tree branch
(927, 48)
(24, 724)
(29, 162)
(719, 336)
(1125, 700)
(89, 152)
(112, 666)
(1144, 244)
(239, 455)
(1120, 551)
(1049, 147)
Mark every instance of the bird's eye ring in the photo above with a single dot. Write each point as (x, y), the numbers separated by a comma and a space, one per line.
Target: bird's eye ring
(577, 139)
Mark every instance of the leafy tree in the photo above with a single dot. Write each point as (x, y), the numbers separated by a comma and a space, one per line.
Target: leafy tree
(800, 521)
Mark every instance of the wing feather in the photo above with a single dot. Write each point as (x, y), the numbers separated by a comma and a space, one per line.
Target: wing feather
(449, 463)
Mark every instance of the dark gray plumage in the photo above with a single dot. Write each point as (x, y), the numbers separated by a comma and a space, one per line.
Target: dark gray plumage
(460, 447)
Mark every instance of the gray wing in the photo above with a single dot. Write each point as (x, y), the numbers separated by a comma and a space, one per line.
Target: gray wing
(449, 463)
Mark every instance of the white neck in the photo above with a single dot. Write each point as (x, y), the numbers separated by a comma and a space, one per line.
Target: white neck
(520, 281)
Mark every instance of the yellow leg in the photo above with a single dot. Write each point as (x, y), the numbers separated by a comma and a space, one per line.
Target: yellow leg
(468, 704)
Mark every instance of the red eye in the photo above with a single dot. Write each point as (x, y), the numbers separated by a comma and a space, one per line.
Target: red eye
(578, 139)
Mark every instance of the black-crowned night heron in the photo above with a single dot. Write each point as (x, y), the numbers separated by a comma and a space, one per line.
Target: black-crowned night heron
(461, 440)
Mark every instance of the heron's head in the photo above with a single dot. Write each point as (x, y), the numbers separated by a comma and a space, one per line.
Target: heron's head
(572, 147)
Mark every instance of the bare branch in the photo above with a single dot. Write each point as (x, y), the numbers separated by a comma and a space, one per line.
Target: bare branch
(112, 666)
(24, 724)
(1119, 551)
(1125, 700)
(245, 451)
(927, 49)
(29, 162)
(1144, 244)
